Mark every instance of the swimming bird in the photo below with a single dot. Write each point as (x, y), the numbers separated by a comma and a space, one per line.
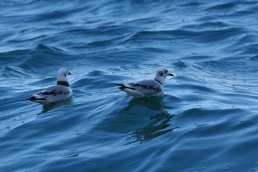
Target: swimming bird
(147, 88)
(60, 91)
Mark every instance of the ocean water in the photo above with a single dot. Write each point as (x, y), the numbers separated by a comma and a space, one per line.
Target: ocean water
(205, 122)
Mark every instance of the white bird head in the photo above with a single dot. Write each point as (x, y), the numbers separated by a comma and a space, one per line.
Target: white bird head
(161, 75)
(62, 73)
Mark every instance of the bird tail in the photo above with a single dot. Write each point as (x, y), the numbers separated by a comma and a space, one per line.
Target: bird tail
(122, 86)
(34, 98)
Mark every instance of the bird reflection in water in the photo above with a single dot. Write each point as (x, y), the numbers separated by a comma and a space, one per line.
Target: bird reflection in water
(160, 123)
(156, 128)
(50, 106)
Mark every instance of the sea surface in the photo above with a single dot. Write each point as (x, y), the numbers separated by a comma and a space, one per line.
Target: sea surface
(207, 120)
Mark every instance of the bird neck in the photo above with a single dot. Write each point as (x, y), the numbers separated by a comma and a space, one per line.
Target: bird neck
(64, 83)
(159, 80)
(61, 78)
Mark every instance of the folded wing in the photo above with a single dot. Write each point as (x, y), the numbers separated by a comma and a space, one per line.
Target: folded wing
(148, 87)
(52, 94)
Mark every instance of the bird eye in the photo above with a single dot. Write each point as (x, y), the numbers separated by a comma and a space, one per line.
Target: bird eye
(166, 71)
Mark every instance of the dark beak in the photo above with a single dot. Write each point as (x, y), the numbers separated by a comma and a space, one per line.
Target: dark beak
(170, 74)
(69, 73)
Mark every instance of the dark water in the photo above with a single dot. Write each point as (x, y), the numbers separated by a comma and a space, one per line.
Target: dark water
(206, 121)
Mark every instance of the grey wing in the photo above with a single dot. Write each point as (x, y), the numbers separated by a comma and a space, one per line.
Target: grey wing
(54, 93)
(147, 87)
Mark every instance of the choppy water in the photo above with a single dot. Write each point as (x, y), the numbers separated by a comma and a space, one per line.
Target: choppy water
(206, 121)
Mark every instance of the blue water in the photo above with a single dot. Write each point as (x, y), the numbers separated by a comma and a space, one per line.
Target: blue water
(206, 121)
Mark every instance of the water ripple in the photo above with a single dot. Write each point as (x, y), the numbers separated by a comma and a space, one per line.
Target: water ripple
(204, 122)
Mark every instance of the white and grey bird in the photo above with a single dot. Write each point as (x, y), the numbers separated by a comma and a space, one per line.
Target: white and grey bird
(60, 91)
(147, 88)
